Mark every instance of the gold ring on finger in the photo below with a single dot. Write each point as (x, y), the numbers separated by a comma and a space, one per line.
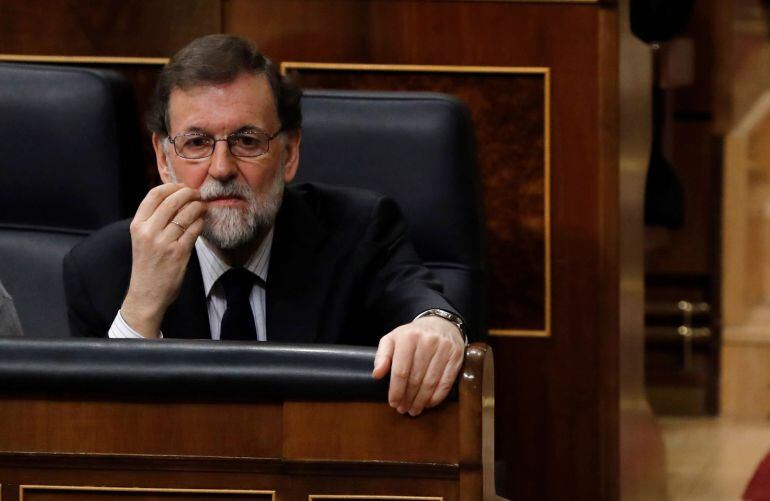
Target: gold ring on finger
(174, 221)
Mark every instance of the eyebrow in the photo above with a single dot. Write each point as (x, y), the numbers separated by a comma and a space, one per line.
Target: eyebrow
(249, 128)
(240, 130)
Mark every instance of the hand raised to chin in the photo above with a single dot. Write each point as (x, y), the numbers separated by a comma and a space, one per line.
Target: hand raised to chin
(163, 233)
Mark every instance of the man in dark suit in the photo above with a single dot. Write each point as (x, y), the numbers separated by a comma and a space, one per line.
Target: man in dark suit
(225, 250)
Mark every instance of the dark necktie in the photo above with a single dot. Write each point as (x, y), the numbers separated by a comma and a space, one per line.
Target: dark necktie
(238, 320)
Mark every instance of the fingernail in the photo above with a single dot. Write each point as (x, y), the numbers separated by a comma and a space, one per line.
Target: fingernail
(401, 410)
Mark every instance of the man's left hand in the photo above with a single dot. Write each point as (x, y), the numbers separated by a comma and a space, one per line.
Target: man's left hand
(423, 358)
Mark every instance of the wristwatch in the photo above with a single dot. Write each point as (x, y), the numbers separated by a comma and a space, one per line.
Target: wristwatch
(446, 315)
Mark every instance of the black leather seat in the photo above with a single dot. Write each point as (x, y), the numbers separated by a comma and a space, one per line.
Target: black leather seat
(68, 165)
(417, 148)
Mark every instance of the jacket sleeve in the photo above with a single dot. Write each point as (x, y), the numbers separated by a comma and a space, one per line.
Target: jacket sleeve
(397, 285)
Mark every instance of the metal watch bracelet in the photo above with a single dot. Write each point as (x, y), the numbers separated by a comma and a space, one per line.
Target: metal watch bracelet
(446, 315)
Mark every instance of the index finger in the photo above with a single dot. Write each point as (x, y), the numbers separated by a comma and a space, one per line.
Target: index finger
(154, 198)
(383, 357)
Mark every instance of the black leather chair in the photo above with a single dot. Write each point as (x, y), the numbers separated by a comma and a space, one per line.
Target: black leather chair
(417, 148)
(68, 165)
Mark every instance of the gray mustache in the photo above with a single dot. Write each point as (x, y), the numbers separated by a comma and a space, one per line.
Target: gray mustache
(214, 189)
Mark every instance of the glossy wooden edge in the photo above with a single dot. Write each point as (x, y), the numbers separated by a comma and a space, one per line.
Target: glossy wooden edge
(542, 1)
(547, 201)
(517, 333)
(160, 490)
(287, 66)
(313, 497)
(534, 1)
(477, 410)
(217, 463)
(26, 58)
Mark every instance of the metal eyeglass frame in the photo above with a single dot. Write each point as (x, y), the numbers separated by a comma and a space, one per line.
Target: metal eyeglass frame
(172, 140)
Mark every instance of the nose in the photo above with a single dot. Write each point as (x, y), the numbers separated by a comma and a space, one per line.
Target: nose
(223, 166)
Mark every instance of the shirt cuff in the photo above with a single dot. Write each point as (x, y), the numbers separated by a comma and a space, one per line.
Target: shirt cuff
(121, 330)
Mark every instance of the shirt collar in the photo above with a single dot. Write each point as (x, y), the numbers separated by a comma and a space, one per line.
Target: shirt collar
(212, 267)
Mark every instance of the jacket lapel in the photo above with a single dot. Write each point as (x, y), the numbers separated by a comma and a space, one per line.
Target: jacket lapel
(188, 317)
(293, 299)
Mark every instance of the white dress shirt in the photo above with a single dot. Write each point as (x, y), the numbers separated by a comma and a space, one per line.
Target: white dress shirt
(211, 269)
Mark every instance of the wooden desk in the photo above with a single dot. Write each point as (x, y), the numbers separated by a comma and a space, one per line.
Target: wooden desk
(81, 445)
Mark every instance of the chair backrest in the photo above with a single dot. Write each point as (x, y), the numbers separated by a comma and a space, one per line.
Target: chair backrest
(417, 148)
(68, 165)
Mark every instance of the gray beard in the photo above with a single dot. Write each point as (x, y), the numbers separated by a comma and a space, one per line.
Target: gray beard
(229, 228)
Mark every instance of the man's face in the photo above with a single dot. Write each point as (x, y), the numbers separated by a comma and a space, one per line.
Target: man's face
(242, 194)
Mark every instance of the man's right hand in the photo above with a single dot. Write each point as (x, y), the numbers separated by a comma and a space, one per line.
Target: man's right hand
(161, 250)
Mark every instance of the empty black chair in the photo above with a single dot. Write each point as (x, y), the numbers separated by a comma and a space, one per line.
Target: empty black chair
(417, 148)
(68, 165)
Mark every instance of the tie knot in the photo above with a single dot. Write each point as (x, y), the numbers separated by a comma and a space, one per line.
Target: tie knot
(237, 283)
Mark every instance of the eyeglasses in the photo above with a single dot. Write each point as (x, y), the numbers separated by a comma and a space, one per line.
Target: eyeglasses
(194, 145)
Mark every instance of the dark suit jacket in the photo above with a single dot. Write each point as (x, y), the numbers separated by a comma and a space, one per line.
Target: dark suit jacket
(341, 271)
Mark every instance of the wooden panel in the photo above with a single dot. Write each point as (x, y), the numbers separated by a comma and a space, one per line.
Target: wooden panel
(58, 493)
(326, 30)
(509, 110)
(105, 27)
(155, 428)
(373, 498)
(292, 480)
(313, 431)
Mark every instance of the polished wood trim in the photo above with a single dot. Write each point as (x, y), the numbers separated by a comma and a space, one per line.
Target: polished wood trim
(159, 490)
(518, 333)
(313, 497)
(287, 66)
(300, 65)
(531, 1)
(547, 201)
(24, 58)
(477, 447)
(47, 460)
(525, 1)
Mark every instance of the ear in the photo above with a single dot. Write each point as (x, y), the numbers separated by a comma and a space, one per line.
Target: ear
(291, 154)
(160, 158)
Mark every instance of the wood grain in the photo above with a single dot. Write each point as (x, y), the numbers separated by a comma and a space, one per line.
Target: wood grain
(96, 427)
(41, 493)
(313, 430)
(150, 28)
